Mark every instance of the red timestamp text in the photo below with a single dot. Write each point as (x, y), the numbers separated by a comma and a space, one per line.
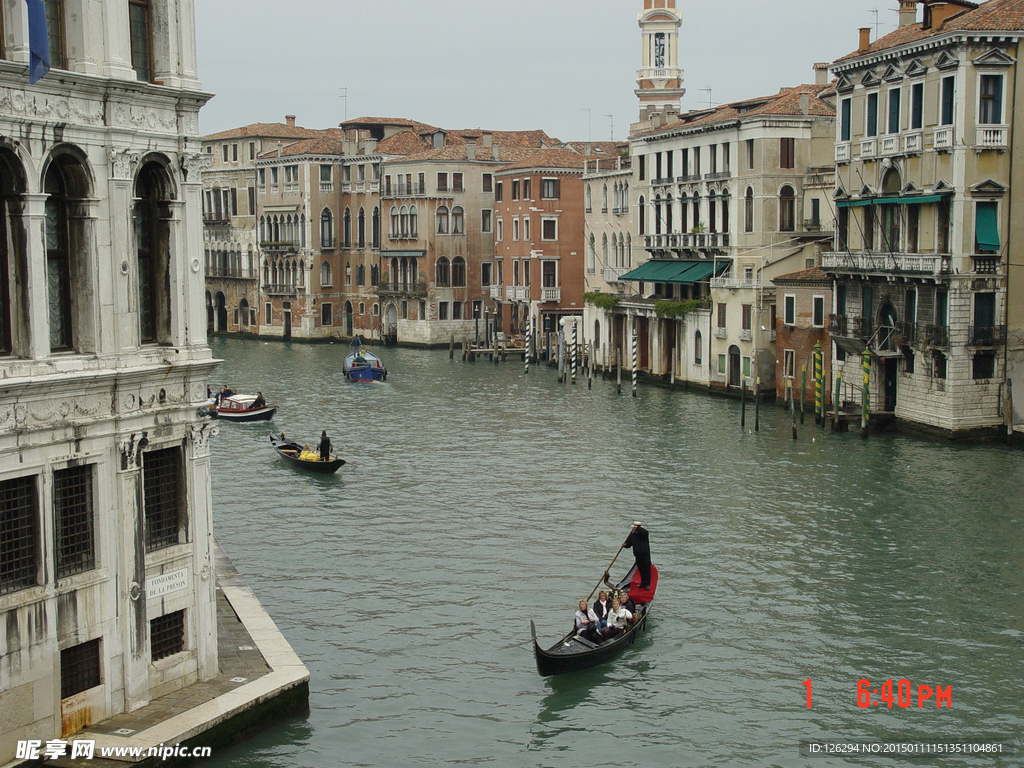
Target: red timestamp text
(902, 694)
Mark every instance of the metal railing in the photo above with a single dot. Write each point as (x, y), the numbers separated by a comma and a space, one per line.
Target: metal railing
(878, 261)
(987, 335)
(937, 335)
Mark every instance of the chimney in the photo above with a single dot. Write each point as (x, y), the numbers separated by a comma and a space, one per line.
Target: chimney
(936, 12)
(805, 103)
(471, 150)
(821, 73)
(290, 119)
(496, 154)
(908, 12)
(488, 139)
(865, 39)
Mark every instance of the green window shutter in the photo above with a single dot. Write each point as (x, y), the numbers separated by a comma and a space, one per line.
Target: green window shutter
(986, 227)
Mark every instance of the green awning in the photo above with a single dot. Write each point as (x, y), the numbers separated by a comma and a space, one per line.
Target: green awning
(986, 228)
(908, 200)
(676, 271)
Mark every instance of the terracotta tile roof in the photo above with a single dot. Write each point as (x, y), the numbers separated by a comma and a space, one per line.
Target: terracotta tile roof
(785, 102)
(460, 152)
(1001, 15)
(320, 146)
(812, 275)
(401, 122)
(402, 143)
(599, 148)
(264, 130)
(548, 158)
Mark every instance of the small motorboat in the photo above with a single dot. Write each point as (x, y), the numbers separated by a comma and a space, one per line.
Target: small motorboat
(297, 456)
(574, 652)
(363, 366)
(239, 408)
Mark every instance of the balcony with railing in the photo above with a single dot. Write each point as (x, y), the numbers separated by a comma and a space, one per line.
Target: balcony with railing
(987, 335)
(868, 148)
(838, 325)
(517, 293)
(726, 174)
(890, 146)
(281, 290)
(326, 186)
(216, 218)
(495, 291)
(862, 327)
(913, 142)
(550, 294)
(405, 289)
(612, 274)
(721, 333)
(658, 73)
(687, 241)
(937, 335)
(888, 263)
(843, 152)
(746, 334)
(734, 283)
(986, 264)
(278, 246)
(942, 138)
(688, 177)
(992, 136)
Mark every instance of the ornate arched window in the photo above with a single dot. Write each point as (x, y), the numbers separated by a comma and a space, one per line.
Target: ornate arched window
(458, 221)
(413, 222)
(375, 229)
(326, 228)
(361, 228)
(403, 221)
(326, 275)
(443, 272)
(395, 222)
(748, 210)
(442, 220)
(458, 272)
(787, 209)
(152, 242)
(346, 235)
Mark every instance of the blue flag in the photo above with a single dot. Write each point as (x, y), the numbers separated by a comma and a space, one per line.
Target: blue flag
(38, 41)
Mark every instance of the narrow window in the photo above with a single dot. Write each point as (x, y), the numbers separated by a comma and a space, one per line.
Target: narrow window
(697, 349)
(916, 106)
(789, 310)
(844, 123)
(458, 272)
(746, 316)
(750, 154)
(79, 668)
(442, 220)
(748, 210)
(73, 519)
(527, 195)
(19, 534)
(458, 221)
(167, 635)
(787, 209)
(163, 498)
(442, 182)
(488, 182)
(58, 262)
(722, 310)
(818, 321)
(139, 24)
(991, 111)
(549, 189)
(457, 182)
(986, 228)
(894, 110)
(871, 127)
(789, 364)
(486, 216)
(948, 95)
(55, 33)
(549, 229)
(498, 191)
(869, 227)
(152, 239)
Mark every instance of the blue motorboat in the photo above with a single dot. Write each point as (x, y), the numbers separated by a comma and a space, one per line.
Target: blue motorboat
(363, 366)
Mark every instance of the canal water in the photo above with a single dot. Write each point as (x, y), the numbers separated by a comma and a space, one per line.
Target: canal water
(477, 498)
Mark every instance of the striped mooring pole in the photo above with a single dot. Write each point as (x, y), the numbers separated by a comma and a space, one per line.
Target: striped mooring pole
(634, 364)
(865, 408)
(818, 379)
(575, 346)
(529, 342)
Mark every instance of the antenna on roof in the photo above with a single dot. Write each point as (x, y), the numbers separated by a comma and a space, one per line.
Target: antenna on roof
(875, 11)
(710, 105)
(584, 109)
(611, 127)
(344, 95)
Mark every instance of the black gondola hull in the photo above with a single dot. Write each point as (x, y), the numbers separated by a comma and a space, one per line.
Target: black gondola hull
(290, 451)
(572, 653)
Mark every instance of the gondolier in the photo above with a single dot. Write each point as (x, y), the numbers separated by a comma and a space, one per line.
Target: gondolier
(639, 541)
(325, 450)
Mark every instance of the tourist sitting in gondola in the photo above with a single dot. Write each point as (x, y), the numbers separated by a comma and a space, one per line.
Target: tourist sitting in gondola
(618, 620)
(586, 622)
(601, 606)
(259, 402)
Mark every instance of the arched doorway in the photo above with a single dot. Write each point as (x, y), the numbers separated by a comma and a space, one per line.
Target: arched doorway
(209, 312)
(348, 318)
(734, 366)
(222, 312)
(243, 315)
(391, 325)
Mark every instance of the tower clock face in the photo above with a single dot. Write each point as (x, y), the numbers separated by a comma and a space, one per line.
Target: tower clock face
(659, 49)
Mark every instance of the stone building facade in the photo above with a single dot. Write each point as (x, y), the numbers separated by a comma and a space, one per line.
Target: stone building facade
(106, 582)
(923, 260)
(230, 235)
(804, 300)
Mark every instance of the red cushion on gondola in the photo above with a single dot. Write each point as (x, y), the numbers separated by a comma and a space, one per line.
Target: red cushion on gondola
(643, 595)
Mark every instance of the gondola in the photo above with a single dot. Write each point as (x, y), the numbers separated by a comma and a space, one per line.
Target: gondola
(573, 652)
(290, 451)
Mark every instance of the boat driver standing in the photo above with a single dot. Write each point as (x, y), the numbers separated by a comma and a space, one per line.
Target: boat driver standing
(639, 541)
(325, 446)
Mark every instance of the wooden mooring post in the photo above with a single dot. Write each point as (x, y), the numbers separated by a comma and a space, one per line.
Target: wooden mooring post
(743, 404)
(757, 404)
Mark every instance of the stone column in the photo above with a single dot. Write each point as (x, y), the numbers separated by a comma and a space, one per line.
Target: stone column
(35, 254)
(124, 289)
(131, 566)
(200, 505)
(117, 60)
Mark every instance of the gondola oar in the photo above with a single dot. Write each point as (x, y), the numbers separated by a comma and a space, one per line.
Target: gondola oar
(606, 572)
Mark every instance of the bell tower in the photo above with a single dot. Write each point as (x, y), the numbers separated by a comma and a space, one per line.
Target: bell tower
(659, 79)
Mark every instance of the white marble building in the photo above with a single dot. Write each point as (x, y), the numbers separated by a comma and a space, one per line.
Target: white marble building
(106, 588)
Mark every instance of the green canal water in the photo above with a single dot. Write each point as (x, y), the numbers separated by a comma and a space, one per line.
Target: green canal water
(478, 498)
